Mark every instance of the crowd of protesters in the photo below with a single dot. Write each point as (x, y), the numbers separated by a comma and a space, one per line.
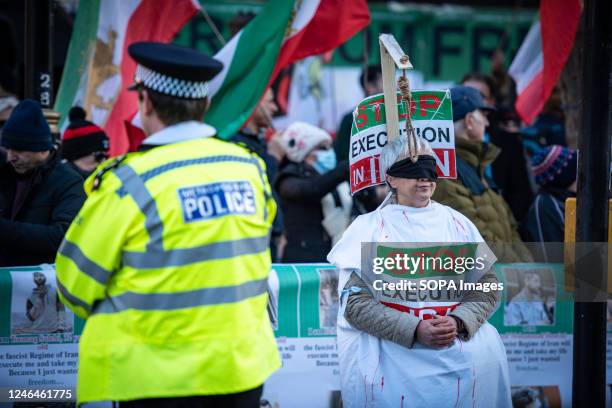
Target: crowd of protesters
(512, 181)
(511, 187)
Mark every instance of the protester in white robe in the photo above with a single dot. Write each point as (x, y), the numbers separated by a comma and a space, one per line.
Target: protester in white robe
(440, 354)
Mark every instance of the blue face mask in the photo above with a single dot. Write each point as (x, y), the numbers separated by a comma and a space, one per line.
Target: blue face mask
(325, 161)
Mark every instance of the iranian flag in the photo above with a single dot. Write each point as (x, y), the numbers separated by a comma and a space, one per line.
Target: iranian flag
(98, 68)
(543, 54)
(283, 32)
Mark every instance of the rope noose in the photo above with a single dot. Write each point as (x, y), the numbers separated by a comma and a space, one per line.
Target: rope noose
(404, 87)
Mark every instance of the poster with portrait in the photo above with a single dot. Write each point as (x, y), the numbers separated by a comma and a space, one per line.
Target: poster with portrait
(328, 298)
(530, 297)
(536, 397)
(36, 307)
(306, 337)
(534, 300)
(38, 334)
(534, 319)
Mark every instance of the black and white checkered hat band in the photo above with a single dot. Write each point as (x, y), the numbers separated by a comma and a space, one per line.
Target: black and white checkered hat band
(171, 86)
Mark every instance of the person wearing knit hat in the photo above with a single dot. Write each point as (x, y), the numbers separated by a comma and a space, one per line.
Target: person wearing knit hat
(39, 196)
(555, 166)
(555, 169)
(300, 139)
(84, 145)
(314, 194)
(26, 130)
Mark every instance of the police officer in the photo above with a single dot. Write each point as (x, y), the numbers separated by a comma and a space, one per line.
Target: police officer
(168, 259)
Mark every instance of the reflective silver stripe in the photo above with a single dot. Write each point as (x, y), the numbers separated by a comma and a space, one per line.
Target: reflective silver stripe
(159, 258)
(134, 185)
(263, 186)
(181, 300)
(71, 298)
(86, 265)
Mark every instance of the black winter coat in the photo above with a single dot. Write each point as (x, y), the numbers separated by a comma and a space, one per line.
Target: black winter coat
(258, 146)
(545, 222)
(510, 172)
(301, 189)
(52, 200)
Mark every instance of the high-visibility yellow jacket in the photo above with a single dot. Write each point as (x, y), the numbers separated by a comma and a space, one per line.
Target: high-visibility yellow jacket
(168, 261)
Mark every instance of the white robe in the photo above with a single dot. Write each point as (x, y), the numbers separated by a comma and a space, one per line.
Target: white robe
(380, 373)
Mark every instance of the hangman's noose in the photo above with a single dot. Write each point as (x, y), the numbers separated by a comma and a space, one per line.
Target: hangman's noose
(404, 86)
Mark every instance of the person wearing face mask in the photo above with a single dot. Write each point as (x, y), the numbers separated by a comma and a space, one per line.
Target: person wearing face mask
(84, 145)
(314, 193)
(470, 193)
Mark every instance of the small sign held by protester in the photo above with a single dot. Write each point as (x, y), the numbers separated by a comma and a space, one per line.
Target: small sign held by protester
(432, 119)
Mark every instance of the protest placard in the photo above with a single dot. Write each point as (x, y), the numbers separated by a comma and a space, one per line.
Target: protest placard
(432, 118)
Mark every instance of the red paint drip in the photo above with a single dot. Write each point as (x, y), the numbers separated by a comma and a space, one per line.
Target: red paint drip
(458, 223)
(458, 384)
(402, 402)
(382, 227)
(374, 377)
(382, 384)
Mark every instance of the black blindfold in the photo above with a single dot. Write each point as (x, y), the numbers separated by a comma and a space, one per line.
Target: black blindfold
(425, 168)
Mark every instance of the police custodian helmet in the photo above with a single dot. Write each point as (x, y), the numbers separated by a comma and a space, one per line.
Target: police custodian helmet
(173, 70)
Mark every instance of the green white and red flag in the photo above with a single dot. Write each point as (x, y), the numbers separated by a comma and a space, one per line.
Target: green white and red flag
(283, 32)
(98, 68)
(538, 64)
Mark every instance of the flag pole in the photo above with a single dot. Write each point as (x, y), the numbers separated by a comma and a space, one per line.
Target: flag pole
(212, 25)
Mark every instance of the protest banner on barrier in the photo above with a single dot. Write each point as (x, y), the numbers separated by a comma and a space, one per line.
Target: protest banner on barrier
(38, 335)
(307, 304)
(41, 351)
(537, 334)
(432, 118)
